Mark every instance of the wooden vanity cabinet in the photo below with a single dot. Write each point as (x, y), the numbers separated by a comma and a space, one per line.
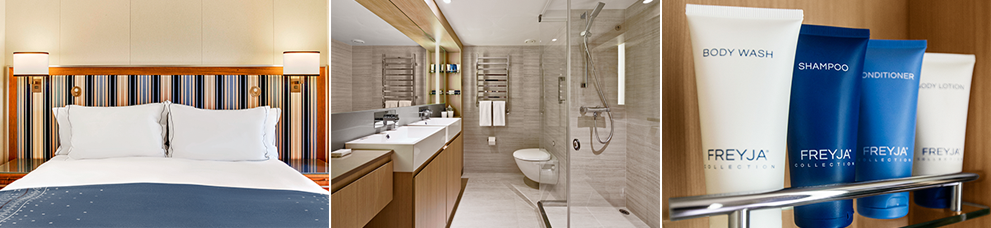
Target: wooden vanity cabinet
(455, 165)
(426, 198)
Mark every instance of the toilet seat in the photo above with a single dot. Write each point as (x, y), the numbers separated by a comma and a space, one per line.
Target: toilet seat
(532, 154)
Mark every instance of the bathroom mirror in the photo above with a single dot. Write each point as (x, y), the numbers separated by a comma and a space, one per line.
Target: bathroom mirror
(374, 65)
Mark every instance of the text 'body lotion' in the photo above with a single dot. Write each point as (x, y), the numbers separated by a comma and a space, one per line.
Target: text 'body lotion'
(822, 123)
(944, 93)
(886, 135)
(743, 70)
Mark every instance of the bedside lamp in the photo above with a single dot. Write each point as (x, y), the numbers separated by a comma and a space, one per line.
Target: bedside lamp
(31, 64)
(299, 63)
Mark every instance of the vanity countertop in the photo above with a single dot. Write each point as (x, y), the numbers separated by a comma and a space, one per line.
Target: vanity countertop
(343, 169)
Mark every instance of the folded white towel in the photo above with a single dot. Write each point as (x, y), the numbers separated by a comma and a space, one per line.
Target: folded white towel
(340, 153)
(499, 113)
(405, 103)
(485, 113)
(391, 104)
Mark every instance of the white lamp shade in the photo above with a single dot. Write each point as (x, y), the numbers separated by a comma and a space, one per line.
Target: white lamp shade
(301, 63)
(30, 63)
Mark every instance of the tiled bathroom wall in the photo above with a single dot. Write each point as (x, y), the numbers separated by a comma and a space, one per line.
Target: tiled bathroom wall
(643, 111)
(522, 128)
(340, 77)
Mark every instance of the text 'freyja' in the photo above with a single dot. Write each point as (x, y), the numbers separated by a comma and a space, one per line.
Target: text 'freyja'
(737, 155)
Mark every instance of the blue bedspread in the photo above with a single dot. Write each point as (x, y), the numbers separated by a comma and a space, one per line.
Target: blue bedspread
(161, 205)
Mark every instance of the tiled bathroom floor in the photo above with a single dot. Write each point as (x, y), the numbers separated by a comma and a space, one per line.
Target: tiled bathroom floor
(489, 201)
(503, 200)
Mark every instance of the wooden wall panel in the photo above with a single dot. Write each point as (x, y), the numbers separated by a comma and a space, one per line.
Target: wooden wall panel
(82, 43)
(32, 25)
(681, 137)
(301, 25)
(238, 32)
(166, 32)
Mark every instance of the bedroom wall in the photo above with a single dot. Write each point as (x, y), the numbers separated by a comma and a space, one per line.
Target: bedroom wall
(166, 32)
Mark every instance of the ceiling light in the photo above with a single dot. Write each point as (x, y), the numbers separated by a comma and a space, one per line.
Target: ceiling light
(552, 40)
(358, 41)
(644, 1)
(529, 41)
(447, 1)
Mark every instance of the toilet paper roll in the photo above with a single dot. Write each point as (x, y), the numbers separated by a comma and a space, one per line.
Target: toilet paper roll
(491, 140)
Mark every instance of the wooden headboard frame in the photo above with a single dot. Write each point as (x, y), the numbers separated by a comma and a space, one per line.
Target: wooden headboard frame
(321, 90)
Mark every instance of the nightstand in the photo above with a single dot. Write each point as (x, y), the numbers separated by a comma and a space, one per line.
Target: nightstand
(317, 170)
(12, 170)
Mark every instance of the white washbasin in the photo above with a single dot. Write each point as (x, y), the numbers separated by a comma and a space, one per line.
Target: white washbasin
(411, 146)
(452, 126)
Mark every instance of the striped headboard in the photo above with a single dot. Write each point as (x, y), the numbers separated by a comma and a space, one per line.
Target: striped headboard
(301, 130)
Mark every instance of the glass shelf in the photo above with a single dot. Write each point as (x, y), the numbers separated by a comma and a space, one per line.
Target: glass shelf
(917, 217)
(738, 205)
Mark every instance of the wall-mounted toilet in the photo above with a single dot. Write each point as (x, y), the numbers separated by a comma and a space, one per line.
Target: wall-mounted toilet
(538, 166)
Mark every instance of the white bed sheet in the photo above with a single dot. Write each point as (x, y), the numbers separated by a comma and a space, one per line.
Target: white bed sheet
(62, 170)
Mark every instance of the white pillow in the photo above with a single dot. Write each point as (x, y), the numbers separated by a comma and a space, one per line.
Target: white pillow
(65, 133)
(270, 122)
(107, 132)
(227, 135)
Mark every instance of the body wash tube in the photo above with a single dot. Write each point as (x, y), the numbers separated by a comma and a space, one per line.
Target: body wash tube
(822, 123)
(944, 93)
(743, 70)
(886, 135)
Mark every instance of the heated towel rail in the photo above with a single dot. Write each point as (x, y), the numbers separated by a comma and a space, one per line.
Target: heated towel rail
(492, 79)
(399, 79)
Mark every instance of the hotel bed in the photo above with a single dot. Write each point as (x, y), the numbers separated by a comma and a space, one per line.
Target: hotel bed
(210, 159)
(165, 165)
(163, 192)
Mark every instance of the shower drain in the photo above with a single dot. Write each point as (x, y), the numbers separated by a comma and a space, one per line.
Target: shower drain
(624, 211)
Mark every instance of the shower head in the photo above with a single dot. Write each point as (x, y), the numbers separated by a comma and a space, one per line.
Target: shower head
(591, 18)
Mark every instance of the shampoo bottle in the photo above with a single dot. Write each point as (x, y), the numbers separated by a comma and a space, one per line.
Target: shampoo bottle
(822, 123)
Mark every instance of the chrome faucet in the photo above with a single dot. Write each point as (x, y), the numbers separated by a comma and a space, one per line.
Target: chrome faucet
(391, 117)
(425, 114)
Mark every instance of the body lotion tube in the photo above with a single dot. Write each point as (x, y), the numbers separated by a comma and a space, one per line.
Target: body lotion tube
(944, 94)
(743, 70)
(822, 123)
(886, 135)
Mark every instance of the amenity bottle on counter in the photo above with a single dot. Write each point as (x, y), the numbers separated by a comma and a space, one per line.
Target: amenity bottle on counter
(822, 123)
(743, 70)
(886, 135)
(944, 93)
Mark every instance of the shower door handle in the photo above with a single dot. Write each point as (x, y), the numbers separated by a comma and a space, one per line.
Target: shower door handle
(560, 90)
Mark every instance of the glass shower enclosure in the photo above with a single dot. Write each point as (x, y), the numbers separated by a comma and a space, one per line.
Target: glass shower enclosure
(600, 106)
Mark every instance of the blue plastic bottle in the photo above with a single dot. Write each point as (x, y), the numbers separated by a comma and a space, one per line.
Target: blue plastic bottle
(822, 120)
(886, 136)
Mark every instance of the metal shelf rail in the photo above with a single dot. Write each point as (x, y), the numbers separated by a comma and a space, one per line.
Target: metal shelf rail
(738, 206)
